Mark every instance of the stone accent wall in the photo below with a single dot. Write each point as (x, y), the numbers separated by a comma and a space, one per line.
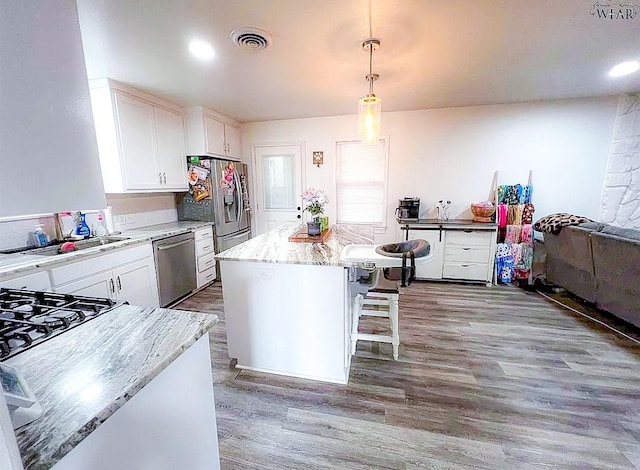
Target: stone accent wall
(621, 193)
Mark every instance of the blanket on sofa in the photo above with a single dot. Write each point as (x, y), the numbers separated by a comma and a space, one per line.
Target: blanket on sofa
(553, 223)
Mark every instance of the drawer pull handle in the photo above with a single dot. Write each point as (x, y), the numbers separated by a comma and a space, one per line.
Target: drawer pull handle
(208, 262)
(466, 249)
(467, 231)
(465, 265)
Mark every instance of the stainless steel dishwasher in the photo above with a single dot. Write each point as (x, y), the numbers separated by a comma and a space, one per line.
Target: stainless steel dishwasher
(175, 266)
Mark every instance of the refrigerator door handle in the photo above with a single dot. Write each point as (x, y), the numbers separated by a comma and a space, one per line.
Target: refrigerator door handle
(239, 191)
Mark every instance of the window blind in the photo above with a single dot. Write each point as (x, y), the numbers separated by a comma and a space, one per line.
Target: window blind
(361, 182)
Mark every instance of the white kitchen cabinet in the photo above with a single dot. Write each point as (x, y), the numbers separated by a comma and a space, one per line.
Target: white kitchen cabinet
(36, 281)
(210, 133)
(431, 269)
(98, 285)
(205, 261)
(171, 148)
(124, 275)
(468, 255)
(141, 139)
(460, 252)
(214, 132)
(147, 433)
(276, 321)
(137, 142)
(232, 138)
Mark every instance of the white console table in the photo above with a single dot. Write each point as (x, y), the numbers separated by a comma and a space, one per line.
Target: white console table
(463, 250)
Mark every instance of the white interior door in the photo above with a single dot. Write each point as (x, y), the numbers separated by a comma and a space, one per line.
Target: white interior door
(278, 171)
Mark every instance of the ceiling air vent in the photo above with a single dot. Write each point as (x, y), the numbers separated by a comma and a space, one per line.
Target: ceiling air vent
(251, 38)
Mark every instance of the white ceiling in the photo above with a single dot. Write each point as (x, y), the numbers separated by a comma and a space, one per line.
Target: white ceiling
(434, 53)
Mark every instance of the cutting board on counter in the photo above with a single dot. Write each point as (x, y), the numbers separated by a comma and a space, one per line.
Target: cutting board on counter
(301, 235)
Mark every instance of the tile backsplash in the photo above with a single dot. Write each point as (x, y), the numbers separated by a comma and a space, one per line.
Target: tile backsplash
(15, 233)
(130, 211)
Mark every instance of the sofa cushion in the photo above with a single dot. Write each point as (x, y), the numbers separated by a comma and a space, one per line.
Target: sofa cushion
(598, 226)
(553, 223)
(629, 233)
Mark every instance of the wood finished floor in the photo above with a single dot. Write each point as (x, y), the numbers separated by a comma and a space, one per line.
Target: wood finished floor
(495, 378)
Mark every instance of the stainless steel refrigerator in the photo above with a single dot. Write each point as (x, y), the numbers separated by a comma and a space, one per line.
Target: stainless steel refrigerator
(218, 193)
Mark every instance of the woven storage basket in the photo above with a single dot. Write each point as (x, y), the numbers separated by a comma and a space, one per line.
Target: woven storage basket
(482, 213)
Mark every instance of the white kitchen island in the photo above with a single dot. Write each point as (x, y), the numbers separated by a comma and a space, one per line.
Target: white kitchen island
(287, 304)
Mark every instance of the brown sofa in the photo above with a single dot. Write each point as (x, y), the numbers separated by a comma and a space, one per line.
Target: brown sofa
(599, 263)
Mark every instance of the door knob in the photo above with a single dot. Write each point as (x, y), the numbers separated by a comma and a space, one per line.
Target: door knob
(299, 207)
(299, 216)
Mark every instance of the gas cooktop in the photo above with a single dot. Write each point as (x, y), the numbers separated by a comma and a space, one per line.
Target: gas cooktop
(28, 318)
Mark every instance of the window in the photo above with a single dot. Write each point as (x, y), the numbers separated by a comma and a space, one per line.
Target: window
(278, 185)
(361, 182)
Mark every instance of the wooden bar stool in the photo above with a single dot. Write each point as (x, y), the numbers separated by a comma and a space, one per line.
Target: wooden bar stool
(383, 297)
(384, 294)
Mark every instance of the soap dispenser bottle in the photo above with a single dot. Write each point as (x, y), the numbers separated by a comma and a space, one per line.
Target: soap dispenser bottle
(39, 237)
(101, 229)
(82, 228)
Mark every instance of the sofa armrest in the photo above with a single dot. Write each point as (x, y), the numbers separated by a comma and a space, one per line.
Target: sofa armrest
(616, 260)
(570, 261)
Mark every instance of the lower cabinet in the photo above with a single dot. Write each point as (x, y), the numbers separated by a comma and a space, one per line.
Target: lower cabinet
(468, 255)
(462, 254)
(433, 268)
(205, 261)
(126, 275)
(37, 281)
(169, 424)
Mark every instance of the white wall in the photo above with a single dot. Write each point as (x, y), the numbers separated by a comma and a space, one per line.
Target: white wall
(453, 153)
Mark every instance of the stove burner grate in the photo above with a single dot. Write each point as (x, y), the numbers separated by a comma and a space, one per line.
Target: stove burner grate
(28, 318)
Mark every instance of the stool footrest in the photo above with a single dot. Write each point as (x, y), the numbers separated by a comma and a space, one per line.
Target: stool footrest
(372, 337)
(381, 302)
(374, 313)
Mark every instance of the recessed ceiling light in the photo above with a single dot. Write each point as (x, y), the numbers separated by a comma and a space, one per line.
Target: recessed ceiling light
(201, 50)
(624, 68)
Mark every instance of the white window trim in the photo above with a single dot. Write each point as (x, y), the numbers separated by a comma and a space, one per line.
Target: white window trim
(385, 139)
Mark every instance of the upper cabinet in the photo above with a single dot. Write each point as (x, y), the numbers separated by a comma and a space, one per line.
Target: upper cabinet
(210, 133)
(141, 139)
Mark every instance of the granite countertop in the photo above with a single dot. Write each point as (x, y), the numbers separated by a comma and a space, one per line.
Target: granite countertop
(274, 246)
(451, 223)
(156, 232)
(11, 264)
(84, 375)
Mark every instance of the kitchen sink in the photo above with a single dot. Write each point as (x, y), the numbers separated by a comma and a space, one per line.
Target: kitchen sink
(54, 250)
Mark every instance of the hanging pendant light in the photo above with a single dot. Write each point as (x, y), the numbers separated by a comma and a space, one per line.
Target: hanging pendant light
(370, 106)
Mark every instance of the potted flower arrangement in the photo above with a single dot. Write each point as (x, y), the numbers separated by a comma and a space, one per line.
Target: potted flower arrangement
(314, 201)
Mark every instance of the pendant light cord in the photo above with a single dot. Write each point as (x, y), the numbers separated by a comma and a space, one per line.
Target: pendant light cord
(370, 29)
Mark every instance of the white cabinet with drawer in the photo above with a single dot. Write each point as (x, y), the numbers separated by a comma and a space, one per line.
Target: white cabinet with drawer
(124, 275)
(468, 255)
(37, 281)
(205, 261)
(458, 252)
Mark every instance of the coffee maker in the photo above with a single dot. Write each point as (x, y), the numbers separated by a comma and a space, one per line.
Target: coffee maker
(408, 208)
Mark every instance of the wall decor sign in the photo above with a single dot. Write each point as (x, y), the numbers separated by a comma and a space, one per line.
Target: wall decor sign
(318, 158)
(615, 11)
